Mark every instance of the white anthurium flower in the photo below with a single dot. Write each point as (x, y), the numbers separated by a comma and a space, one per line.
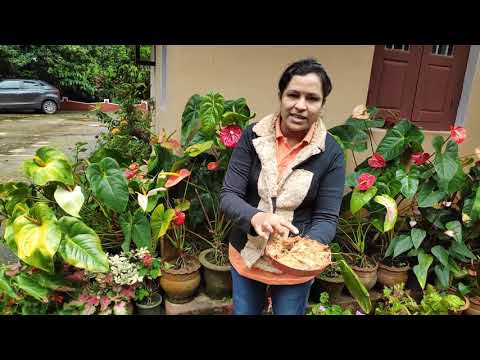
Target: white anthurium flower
(412, 223)
(154, 191)
(449, 233)
(142, 201)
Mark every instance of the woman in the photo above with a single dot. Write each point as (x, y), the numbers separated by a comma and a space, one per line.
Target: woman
(285, 175)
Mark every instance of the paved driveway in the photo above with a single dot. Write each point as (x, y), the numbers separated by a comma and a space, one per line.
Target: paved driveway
(22, 134)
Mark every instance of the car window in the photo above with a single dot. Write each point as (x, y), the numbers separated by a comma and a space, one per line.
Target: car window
(31, 85)
(10, 84)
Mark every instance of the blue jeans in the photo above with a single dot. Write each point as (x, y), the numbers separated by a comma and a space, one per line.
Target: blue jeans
(249, 296)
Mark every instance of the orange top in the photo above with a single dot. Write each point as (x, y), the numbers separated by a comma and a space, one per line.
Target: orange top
(285, 155)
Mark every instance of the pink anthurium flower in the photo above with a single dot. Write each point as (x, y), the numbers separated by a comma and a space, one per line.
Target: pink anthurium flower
(230, 135)
(175, 179)
(458, 134)
(365, 181)
(376, 161)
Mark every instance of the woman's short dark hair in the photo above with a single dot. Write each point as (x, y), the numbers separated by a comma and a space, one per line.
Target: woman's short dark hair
(304, 67)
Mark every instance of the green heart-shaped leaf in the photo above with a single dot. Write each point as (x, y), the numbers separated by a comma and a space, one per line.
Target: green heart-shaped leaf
(136, 228)
(70, 201)
(441, 254)
(81, 246)
(394, 141)
(409, 184)
(421, 269)
(351, 137)
(37, 237)
(48, 165)
(361, 198)
(443, 275)
(403, 245)
(160, 221)
(417, 236)
(427, 197)
(109, 184)
(463, 250)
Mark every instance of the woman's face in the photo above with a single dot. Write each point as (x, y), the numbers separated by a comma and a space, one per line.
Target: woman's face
(301, 103)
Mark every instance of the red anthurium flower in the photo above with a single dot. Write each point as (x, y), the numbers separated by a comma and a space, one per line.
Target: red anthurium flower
(230, 135)
(174, 179)
(179, 218)
(458, 134)
(365, 181)
(376, 161)
(420, 158)
(213, 165)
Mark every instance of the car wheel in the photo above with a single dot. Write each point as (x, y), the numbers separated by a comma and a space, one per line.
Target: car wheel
(49, 107)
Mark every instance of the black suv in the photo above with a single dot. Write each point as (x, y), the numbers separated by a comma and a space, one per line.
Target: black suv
(20, 94)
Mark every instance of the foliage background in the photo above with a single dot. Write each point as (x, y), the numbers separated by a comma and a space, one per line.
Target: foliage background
(81, 72)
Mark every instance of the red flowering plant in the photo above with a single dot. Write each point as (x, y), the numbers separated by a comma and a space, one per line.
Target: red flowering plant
(380, 183)
(213, 126)
(427, 191)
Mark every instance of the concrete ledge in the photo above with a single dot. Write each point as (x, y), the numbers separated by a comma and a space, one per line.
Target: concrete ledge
(200, 305)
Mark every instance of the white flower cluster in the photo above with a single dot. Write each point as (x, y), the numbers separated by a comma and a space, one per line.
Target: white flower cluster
(124, 272)
(140, 253)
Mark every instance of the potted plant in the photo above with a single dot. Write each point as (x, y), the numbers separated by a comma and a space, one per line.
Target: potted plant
(114, 293)
(148, 300)
(355, 234)
(216, 274)
(396, 301)
(330, 281)
(182, 280)
(394, 267)
(440, 303)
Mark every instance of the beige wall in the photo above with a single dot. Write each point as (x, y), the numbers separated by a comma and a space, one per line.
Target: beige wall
(253, 72)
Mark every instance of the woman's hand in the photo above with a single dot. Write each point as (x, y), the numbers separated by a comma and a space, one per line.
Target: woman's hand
(266, 224)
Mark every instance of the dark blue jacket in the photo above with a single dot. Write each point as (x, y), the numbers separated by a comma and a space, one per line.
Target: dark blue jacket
(308, 194)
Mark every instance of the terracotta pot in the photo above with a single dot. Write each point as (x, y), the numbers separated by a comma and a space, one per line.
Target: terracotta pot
(218, 280)
(474, 308)
(367, 276)
(392, 275)
(463, 309)
(181, 285)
